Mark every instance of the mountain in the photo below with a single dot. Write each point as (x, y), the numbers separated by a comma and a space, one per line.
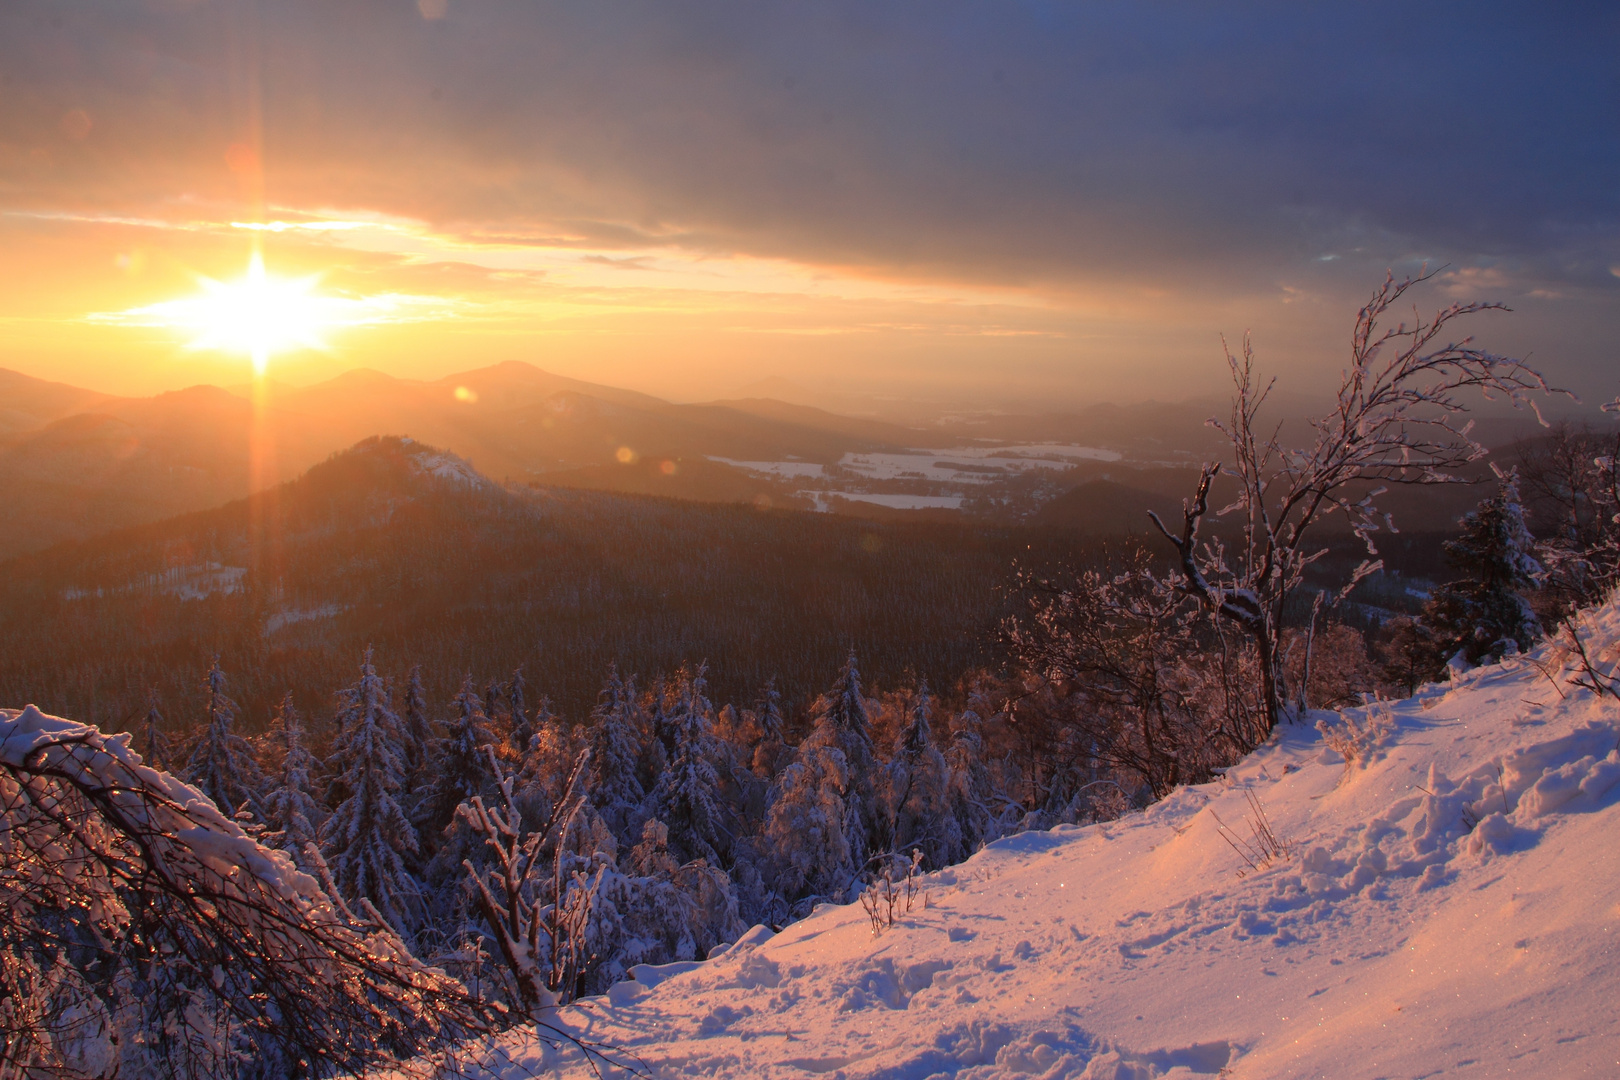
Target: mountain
(27, 402)
(75, 463)
(515, 421)
(870, 432)
(1439, 904)
(141, 459)
(72, 475)
(134, 460)
(407, 547)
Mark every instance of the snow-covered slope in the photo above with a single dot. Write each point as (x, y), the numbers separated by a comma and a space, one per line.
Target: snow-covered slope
(1450, 907)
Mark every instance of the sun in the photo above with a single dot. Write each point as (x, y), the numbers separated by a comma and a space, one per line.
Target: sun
(258, 315)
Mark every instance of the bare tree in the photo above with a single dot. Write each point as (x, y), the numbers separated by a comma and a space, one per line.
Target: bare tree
(539, 926)
(1397, 419)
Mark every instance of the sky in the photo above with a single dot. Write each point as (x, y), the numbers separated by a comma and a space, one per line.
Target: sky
(993, 204)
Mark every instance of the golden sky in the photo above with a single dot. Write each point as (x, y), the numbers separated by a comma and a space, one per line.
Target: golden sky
(922, 202)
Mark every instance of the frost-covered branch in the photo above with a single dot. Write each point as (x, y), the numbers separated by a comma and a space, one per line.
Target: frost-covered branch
(207, 953)
(1397, 418)
(540, 934)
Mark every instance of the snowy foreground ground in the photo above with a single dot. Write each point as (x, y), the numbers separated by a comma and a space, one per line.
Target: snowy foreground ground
(1394, 941)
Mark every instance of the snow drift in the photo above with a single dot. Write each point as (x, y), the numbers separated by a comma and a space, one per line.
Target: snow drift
(1442, 897)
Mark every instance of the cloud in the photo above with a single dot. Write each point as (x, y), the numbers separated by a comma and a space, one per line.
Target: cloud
(1206, 152)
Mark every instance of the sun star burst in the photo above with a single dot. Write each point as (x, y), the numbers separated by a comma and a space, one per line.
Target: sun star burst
(259, 314)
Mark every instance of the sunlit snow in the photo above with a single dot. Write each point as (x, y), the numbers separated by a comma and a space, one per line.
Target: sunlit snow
(1446, 906)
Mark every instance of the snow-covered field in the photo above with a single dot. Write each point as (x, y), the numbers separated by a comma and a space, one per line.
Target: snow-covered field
(972, 465)
(195, 582)
(949, 473)
(786, 469)
(292, 616)
(893, 502)
(1448, 907)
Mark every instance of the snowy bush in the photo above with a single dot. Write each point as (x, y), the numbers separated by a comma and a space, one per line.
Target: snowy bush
(892, 892)
(535, 911)
(1136, 686)
(1358, 734)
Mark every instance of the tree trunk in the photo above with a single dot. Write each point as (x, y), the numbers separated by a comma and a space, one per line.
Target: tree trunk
(1270, 681)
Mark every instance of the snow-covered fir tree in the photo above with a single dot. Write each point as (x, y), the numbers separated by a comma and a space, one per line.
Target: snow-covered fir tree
(772, 753)
(221, 763)
(460, 766)
(807, 830)
(1486, 614)
(687, 798)
(522, 729)
(840, 718)
(492, 704)
(417, 731)
(736, 740)
(968, 783)
(615, 741)
(292, 816)
(915, 786)
(661, 740)
(154, 740)
(824, 820)
(368, 838)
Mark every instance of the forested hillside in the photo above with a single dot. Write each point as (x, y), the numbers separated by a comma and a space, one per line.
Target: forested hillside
(399, 547)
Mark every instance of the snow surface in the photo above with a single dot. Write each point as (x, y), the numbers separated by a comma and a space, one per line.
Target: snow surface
(789, 469)
(971, 465)
(897, 502)
(292, 616)
(963, 464)
(1393, 941)
(443, 465)
(197, 581)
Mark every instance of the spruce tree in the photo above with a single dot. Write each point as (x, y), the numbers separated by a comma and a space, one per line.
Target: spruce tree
(840, 722)
(522, 730)
(915, 784)
(615, 789)
(772, 753)
(221, 764)
(157, 743)
(492, 701)
(822, 821)
(368, 837)
(1485, 614)
(461, 769)
(417, 731)
(687, 799)
(968, 784)
(662, 743)
(292, 816)
(806, 828)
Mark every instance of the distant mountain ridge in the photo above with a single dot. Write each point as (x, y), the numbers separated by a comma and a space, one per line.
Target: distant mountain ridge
(74, 463)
